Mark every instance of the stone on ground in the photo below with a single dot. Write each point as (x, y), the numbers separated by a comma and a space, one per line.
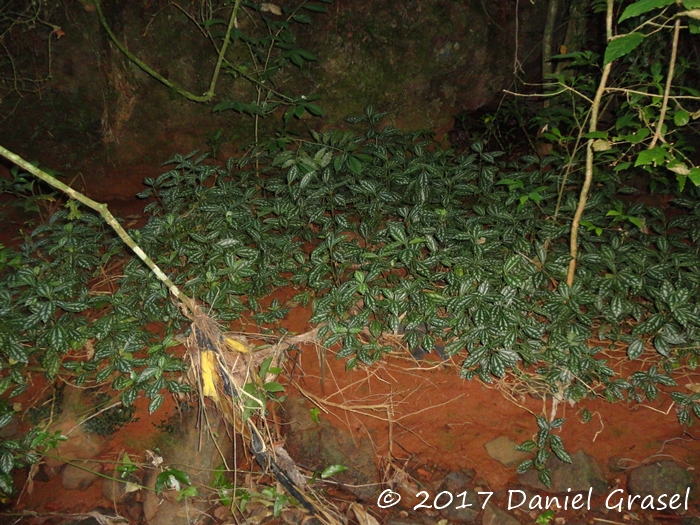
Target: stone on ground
(465, 506)
(503, 450)
(662, 477)
(580, 475)
(494, 515)
(79, 445)
(199, 458)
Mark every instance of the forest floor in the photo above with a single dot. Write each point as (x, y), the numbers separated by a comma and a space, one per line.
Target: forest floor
(419, 416)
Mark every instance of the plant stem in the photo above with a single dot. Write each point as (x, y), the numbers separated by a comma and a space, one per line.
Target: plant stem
(672, 65)
(573, 241)
(108, 217)
(190, 96)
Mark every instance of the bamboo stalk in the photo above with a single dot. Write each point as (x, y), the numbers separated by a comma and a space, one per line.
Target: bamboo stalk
(108, 217)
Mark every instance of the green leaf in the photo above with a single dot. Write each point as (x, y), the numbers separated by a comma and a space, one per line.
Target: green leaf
(527, 446)
(280, 502)
(187, 492)
(558, 448)
(51, 363)
(155, 403)
(333, 470)
(512, 263)
(58, 339)
(639, 136)
(641, 7)
(229, 104)
(681, 118)
(662, 346)
(545, 517)
(621, 46)
(655, 156)
(5, 419)
(213, 21)
(147, 374)
(596, 135)
(306, 55)
(273, 387)
(313, 412)
(557, 422)
(694, 176)
(7, 462)
(497, 366)
(314, 109)
(354, 164)
(6, 484)
(11, 347)
(635, 349)
(316, 8)
(129, 396)
(525, 466)
(694, 26)
(300, 109)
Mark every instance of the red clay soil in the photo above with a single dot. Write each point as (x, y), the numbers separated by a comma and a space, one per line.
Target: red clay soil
(417, 412)
(443, 421)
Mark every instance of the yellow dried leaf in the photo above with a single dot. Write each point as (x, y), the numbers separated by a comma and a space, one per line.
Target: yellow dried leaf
(208, 371)
(236, 346)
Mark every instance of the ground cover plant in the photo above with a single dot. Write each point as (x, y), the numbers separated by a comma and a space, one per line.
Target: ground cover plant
(381, 231)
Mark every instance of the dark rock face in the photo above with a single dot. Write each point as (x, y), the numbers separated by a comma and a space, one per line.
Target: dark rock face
(424, 62)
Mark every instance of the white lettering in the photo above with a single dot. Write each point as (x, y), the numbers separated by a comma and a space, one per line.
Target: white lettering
(537, 502)
(510, 495)
(675, 502)
(647, 502)
(489, 497)
(552, 501)
(618, 505)
(574, 502)
(662, 503)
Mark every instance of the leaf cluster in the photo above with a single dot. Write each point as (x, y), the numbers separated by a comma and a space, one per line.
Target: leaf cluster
(270, 47)
(381, 231)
